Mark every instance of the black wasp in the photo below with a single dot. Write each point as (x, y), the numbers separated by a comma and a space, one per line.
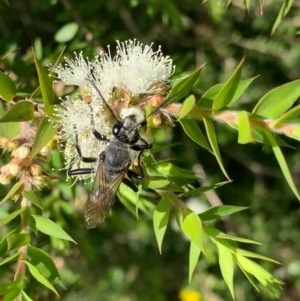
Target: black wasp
(113, 164)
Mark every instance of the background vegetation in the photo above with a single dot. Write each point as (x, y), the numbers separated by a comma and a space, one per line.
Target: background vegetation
(120, 260)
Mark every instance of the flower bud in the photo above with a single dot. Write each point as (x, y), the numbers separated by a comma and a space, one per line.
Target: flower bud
(12, 144)
(3, 142)
(22, 152)
(35, 169)
(5, 169)
(156, 120)
(45, 151)
(4, 179)
(38, 181)
(14, 169)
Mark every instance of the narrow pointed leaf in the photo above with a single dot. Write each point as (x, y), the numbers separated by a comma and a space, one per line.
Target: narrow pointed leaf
(262, 275)
(227, 266)
(289, 115)
(277, 101)
(47, 226)
(40, 277)
(45, 264)
(192, 227)
(21, 111)
(11, 216)
(26, 297)
(226, 94)
(14, 190)
(220, 211)
(160, 220)
(45, 133)
(184, 86)
(194, 255)
(283, 11)
(236, 238)
(187, 106)
(45, 82)
(30, 195)
(210, 131)
(17, 240)
(281, 161)
(8, 88)
(250, 254)
(192, 129)
(244, 128)
(9, 259)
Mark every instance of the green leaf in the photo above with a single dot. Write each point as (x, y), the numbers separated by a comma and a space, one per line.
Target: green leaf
(277, 101)
(281, 161)
(244, 128)
(13, 191)
(45, 83)
(213, 91)
(160, 220)
(200, 190)
(44, 263)
(226, 94)
(284, 9)
(192, 129)
(21, 111)
(13, 290)
(45, 133)
(39, 277)
(17, 240)
(262, 275)
(194, 255)
(47, 226)
(287, 116)
(227, 266)
(246, 253)
(66, 33)
(26, 297)
(211, 134)
(236, 238)
(220, 211)
(192, 227)
(8, 259)
(8, 88)
(187, 106)
(184, 86)
(37, 201)
(11, 216)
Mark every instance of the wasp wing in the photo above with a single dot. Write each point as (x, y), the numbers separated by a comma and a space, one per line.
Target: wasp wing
(102, 195)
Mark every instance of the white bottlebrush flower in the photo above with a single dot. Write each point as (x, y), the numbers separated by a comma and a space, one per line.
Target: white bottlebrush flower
(130, 78)
(136, 68)
(74, 71)
(79, 118)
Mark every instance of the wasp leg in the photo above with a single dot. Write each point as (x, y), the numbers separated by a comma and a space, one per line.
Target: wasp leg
(81, 171)
(130, 184)
(141, 148)
(99, 136)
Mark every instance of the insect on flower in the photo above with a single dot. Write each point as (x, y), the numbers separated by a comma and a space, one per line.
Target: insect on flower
(106, 127)
(113, 162)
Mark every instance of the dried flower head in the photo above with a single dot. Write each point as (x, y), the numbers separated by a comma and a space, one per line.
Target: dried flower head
(127, 81)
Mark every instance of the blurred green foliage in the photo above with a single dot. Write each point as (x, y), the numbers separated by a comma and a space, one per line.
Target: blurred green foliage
(120, 260)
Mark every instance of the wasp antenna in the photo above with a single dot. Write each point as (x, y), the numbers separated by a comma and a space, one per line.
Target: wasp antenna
(103, 99)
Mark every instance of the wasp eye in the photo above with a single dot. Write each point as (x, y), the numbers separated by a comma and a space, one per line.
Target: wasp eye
(116, 129)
